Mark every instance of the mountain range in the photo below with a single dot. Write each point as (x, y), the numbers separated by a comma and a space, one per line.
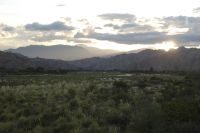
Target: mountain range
(181, 59)
(62, 52)
(14, 61)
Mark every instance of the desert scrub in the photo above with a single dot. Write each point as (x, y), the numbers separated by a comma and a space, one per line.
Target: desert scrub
(99, 103)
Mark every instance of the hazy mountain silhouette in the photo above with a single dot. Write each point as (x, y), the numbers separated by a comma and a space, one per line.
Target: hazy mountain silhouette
(62, 52)
(13, 61)
(181, 59)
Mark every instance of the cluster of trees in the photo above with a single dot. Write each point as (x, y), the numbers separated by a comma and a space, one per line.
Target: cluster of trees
(144, 104)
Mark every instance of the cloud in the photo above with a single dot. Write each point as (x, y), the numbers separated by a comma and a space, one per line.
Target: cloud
(36, 32)
(7, 31)
(133, 32)
(182, 22)
(60, 5)
(144, 38)
(55, 26)
(114, 26)
(131, 27)
(192, 23)
(178, 21)
(6, 28)
(98, 28)
(68, 19)
(2, 35)
(129, 38)
(196, 10)
(117, 16)
(185, 39)
(128, 30)
(136, 28)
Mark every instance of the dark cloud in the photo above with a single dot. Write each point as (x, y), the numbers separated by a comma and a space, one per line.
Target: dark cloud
(98, 28)
(131, 27)
(179, 21)
(48, 37)
(186, 39)
(114, 26)
(136, 33)
(136, 28)
(116, 16)
(55, 26)
(192, 23)
(192, 36)
(7, 31)
(6, 28)
(182, 22)
(125, 26)
(129, 38)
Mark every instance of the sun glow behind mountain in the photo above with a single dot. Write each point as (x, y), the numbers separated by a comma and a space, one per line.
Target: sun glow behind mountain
(166, 46)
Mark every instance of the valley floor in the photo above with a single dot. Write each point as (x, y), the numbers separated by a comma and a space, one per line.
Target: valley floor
(100, 102)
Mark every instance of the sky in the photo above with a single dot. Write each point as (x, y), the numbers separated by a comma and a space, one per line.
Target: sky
(108, 24)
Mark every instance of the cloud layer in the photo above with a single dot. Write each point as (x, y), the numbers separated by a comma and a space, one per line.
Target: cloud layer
(129, 38)
(186, 30)
(116, 16)
(117, 28)
(56, 26)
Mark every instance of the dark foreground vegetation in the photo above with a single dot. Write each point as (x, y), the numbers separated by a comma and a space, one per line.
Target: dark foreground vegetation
(89, 102)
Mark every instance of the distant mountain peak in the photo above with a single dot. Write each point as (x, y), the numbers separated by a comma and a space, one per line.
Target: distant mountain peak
(62, 52)
(182, 48)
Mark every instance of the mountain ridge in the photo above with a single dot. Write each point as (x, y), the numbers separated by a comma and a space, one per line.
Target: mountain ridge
(15, 62)
(181, 59)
